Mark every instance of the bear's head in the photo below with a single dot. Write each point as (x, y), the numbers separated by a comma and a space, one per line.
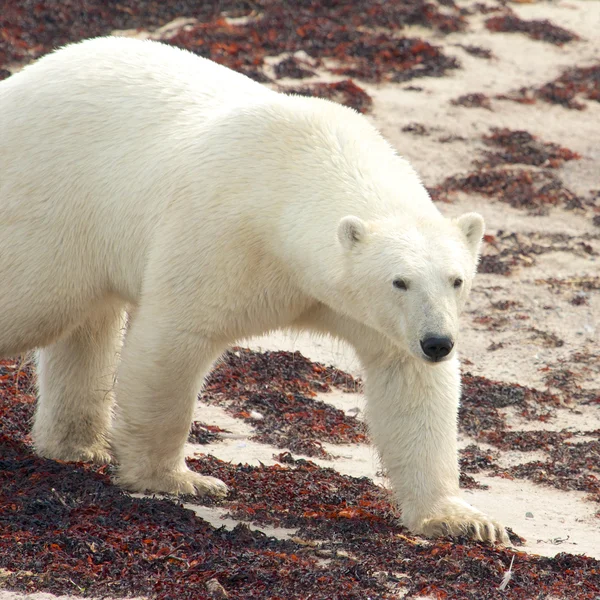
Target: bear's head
(410, 280)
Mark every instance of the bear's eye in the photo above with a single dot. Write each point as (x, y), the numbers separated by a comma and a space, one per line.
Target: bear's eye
(400, 284)
(458, 282)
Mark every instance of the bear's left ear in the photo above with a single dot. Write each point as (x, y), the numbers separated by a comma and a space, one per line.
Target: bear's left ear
(351, 231)
(472, 226)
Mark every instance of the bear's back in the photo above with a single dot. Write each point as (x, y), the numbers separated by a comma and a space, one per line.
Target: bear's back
(113, 136)
(107, 89)
(115, 70)
(92, 139)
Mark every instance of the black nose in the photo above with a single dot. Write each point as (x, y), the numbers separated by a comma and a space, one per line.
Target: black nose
(436, 347)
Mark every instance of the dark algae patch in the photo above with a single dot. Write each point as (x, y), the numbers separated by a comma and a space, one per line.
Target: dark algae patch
(302, 495)
(500, 176)
(566, 377)
(573, 82)
(342, 34)
(520, 147)
(506, 251)
(202, 433)
(534, 191)
(343, 92)
(280, 387)
(292, 372)
(586, 283)
(542, 30)
(293, 68)
(482, 399)
(571, 466)
(475, 100)
(64, 528)
(473, 459)
(360, 36)
(477, 51)
(17, 399)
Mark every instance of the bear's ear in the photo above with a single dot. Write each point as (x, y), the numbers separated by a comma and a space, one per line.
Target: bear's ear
(472, 226)
(351, 230)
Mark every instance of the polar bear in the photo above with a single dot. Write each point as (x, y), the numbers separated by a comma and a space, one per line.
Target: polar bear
(136, 176)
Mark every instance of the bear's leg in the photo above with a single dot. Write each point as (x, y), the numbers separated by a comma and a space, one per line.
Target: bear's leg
(161, 372)
(75, 382)
(412, 412)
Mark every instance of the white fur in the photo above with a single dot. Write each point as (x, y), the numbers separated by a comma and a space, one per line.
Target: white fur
(137, 176)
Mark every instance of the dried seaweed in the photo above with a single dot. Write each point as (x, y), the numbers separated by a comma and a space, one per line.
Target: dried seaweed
(586, 283)
(292, 68)
(564, 90)
(65, 529)
(545, 338)
(474, 460)
(572, 466)
(520, 147)
(525, 441)
(520, 188)
(506, 251)
(477, 100)
(448, 139)
(280, 387)
(482, 398)
(565, 382)
(361, 36)
(536, 29)
(202, 433)
(344, 92)
(477, 51)
(416, 129)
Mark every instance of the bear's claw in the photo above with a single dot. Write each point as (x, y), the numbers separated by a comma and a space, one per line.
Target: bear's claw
(454, 517)
(480, 528)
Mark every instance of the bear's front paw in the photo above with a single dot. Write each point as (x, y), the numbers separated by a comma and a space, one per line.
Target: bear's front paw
(455, 517)
(178, 482)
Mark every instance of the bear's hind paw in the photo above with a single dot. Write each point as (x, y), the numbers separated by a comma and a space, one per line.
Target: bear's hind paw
(94, 454)
(176, 483)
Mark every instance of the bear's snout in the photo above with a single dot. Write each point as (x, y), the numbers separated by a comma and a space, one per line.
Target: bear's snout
(436, 347)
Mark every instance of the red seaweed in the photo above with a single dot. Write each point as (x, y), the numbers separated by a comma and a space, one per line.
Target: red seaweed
(477, 100)
(64, 528)
(344, 92)
(520, 147)
(536, 29)
(575, 81)
(361, 36)
(520, 188)
(280, 387)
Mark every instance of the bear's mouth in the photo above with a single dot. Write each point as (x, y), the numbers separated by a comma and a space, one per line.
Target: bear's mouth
(434, 361)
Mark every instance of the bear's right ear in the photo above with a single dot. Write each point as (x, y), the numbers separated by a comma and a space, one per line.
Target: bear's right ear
(351, 230)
